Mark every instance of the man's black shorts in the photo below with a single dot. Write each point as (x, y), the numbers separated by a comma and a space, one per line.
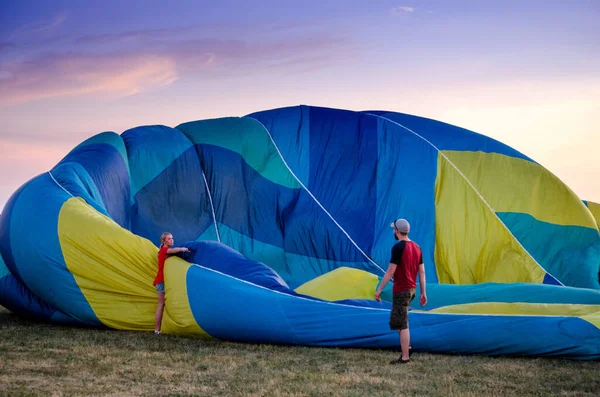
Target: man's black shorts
(400, 304)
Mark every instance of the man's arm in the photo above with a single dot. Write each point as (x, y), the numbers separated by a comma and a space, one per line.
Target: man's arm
(397, 251)
(423, 283)
(386, 278)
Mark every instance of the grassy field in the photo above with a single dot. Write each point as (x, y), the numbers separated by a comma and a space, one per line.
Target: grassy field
(41, 359)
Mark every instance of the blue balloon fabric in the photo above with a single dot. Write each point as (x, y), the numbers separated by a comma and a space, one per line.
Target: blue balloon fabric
(287, 214)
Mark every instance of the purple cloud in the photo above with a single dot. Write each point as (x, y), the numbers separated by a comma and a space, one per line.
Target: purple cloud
(39, 27)
(5, 45)
(129, 35)
(152, 59)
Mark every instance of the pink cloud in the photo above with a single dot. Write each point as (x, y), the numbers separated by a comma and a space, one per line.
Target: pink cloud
(16, 154)
(26, 160)
(80, 74)
(157, 64)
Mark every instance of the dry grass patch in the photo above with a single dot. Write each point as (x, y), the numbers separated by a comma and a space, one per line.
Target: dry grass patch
(43, 359)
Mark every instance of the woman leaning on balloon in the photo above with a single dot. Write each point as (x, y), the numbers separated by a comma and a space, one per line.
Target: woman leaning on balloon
(166, 242)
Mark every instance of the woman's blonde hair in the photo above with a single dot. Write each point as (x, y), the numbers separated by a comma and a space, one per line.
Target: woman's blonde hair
(163, 237)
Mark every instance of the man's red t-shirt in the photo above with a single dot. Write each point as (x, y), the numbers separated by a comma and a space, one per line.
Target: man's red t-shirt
(407, 256)
(162, 256)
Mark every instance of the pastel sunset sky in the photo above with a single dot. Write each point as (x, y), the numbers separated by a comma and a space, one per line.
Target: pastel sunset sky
(524, 72)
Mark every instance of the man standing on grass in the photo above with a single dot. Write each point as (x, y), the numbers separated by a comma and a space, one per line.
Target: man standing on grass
(406, 261)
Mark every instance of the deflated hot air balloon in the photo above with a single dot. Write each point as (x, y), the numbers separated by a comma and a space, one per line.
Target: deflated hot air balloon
(286, 213)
